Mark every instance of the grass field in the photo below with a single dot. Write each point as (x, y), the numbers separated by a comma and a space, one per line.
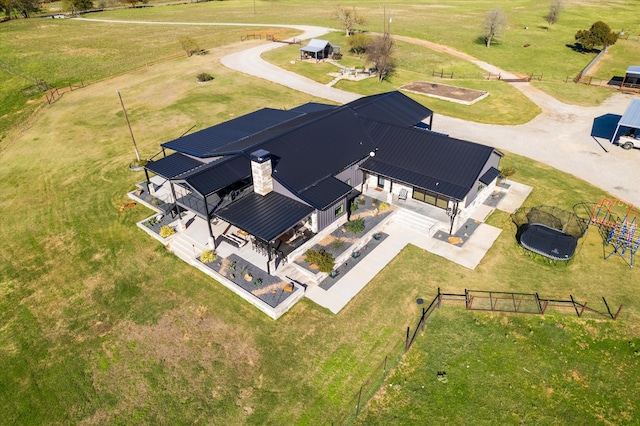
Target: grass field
(512, 369)
(88, 52)
(102, 325)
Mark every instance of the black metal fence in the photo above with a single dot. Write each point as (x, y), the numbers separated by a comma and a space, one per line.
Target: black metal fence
(474, 300)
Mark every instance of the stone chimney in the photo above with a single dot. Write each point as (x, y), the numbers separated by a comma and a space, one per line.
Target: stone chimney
(261, 172)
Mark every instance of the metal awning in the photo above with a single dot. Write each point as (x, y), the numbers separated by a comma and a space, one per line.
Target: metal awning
(173, 165)
(630, 119)
(265, 216)
(489, 176)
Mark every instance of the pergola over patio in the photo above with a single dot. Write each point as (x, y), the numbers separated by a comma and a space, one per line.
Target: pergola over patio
(265, 217)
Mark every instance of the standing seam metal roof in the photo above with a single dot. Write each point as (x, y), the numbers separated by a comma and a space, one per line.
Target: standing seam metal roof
(205, 142)
(218, 175)
(266, 217)
(428, 160)
(173, 165)
(631, 117)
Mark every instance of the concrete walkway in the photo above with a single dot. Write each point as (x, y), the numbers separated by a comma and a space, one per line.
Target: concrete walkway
(469, 255)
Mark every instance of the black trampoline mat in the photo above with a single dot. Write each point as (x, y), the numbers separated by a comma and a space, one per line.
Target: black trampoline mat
(548, 242)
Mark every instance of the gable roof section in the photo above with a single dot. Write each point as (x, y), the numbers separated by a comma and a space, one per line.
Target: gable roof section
(266, 217)
(393, 108)
(205, 142)
(320, 149)
(218, 175)
(633, 70)
(312, 107)
(315, 45)
(631, 116)
(325, 193)
(253, 142)
(172, 165)
(427, 160)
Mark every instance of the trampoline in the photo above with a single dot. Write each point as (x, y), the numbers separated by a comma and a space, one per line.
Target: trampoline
(549, 231)
(548, 242)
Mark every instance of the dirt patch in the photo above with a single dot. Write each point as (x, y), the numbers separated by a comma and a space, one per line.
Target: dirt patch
(446, 92)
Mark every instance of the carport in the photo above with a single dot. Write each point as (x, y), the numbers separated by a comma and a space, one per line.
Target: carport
(630, 120)
(632, 77)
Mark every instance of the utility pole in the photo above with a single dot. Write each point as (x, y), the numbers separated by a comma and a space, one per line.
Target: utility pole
(126, 117)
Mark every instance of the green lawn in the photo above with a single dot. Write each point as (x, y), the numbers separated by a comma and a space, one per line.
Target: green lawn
(505, 104)
(512, 369)
(102, 325)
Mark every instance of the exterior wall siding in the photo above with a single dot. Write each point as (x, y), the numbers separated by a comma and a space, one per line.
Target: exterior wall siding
(326, 217)
(494, 161)
(354, 173)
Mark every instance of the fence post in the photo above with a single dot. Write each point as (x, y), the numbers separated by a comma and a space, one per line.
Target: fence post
(582, 310)
(574, 305)
(467, 302)
(406, 342)
(439, 298)
(538, 302)
(423, 319)
(384, 369)
(617, 313)
(358, 405)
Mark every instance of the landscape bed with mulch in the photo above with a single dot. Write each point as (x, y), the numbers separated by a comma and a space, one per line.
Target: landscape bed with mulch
(271, 290)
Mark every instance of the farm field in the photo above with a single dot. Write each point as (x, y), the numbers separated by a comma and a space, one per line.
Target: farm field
(102, 325)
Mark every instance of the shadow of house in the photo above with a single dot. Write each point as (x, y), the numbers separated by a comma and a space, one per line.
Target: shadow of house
(318, 49)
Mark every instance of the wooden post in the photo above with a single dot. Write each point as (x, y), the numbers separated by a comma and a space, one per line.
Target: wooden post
(424, 320)
(582, 310)
(439, 298)
(135, 147)
(406, 342)
(615, 317)
(574, 305)
(358, 405)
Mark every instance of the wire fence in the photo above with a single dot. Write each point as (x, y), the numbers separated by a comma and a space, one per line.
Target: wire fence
(474, 300)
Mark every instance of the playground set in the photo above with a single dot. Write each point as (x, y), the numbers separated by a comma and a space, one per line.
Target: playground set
(553, 233)
(621, 236)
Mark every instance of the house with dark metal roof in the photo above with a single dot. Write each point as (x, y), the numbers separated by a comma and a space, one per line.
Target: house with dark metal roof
(281, 177)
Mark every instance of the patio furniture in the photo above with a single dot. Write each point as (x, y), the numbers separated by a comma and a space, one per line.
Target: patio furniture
(403, 194)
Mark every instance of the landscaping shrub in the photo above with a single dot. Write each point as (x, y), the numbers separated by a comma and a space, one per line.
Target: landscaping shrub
(167, 231)
(383, 206)
(203, 76)
(507, 171)
(337, 243)
(208, 256)
(356, 226)
(353, 207)
(324, 260)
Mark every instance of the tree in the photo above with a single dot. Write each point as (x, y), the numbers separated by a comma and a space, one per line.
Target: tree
(74, 6)
(348, 18)
(358, 43)
(380, 54)
(189, 45)
(599, 34)
(494, 24)
(23, 7)
(554, 12)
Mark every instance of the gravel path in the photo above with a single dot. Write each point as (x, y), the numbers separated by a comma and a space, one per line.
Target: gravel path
(560, 136)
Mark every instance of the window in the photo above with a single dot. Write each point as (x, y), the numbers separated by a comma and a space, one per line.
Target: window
(339, 210)
(430, 198)
(380, 182)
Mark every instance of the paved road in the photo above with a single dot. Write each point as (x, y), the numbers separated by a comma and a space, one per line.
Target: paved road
(561, 136)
